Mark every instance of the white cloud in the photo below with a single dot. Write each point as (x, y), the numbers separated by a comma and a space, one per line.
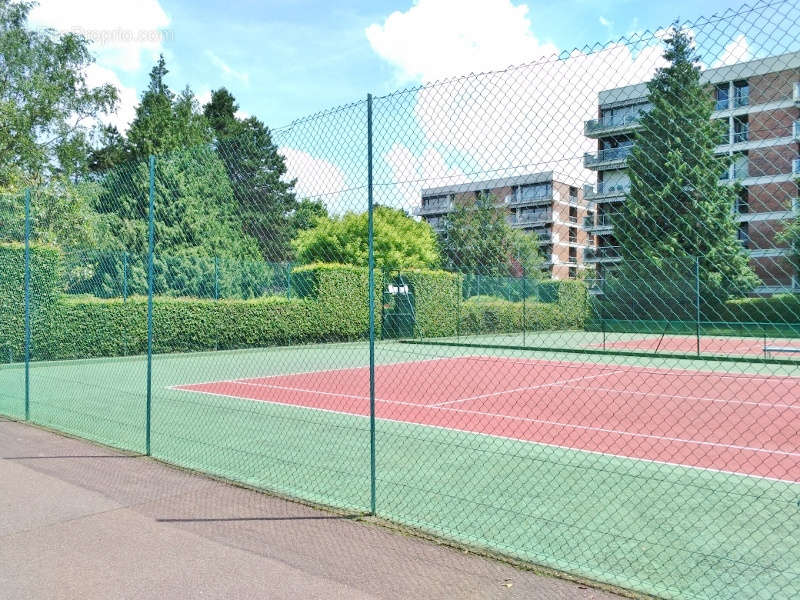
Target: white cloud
(737, 50)
(122, 32)
(227, 70)
(440, 38)
(604, 22)
(414, 172)
(97, 75)
(316, 177)
(242, 114)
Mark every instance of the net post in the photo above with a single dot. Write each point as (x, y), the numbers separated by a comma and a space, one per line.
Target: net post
(27, 301)
(697, 300)
(524, 306)
(370, 242)
(150, 250)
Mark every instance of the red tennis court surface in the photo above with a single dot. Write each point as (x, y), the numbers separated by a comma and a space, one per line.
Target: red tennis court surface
(685, 344)
(744, 424)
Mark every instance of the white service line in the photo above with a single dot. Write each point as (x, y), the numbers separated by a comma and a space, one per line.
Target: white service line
(523, 389)
(677, 397)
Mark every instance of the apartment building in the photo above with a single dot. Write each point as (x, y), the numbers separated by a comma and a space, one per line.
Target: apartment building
(759, 103)
(538, 203)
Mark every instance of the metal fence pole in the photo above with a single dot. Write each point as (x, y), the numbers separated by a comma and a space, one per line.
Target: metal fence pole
(697, 300)
(216, 278)
(370, 242)
(524, 307)
(124, 276)
(27, 294)
(150, 250)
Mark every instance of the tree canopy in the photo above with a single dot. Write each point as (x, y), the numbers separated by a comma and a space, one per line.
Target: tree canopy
(677, 209)
(478, 239)
(400, 242)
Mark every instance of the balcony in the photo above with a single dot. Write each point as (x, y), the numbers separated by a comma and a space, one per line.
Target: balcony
(606, 192)
(601, 254)
(544, 238)
(736, 172)
(608, 158)
(796, 166)
(796, 93)
(531, 219)
(433, 209)
(796, 131)
(741, 99)
(612, 124)
(595, 285)
(521, 200)
(604, 224)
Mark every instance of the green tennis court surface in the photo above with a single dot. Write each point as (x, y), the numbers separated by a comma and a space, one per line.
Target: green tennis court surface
(666, 529)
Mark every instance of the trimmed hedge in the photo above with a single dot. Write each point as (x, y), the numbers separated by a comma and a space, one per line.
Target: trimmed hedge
(780, 308)
(437, 295)
(45, 280)
(567, 308)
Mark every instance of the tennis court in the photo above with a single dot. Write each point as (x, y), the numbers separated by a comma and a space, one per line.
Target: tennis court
(677, 480)
(697, 419)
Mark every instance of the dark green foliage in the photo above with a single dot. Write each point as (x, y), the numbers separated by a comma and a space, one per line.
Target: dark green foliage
(265, 201)
(45, 289)
(477, 239)
(677, 209)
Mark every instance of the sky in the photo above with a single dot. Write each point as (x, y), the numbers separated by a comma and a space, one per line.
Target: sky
(285, 59)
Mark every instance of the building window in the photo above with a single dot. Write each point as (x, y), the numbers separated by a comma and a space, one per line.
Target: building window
(742, 202)
(744, 235)
(741, 93)
(537, 191)
(573, 272)
(721, 96)
(741, 129)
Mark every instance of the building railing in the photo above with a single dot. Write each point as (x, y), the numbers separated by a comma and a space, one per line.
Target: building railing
(741, 99)
(796, 92)
(796, 166)
(607, 155)
(611, 122)
(796, 130)
(601, 252)
(432, 209)
(573, 219)
(520, 200)
(540, 216)
(606, 189)
(741, 136)
(737, 173)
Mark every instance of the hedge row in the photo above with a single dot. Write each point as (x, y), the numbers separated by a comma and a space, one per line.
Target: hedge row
(568, 309)
(778, 309)
(437, 295)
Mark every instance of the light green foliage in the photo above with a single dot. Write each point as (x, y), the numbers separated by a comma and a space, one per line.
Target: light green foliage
(400, 241)
(677, 209)
(43, 94)
(477, 239)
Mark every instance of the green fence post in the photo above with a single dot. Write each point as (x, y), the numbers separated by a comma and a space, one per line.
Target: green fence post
(27, 301)
(289, 281)
(370, 235)
(524, 307)
(150, 250)
(216, 278)
(697, 300)
(124, 277)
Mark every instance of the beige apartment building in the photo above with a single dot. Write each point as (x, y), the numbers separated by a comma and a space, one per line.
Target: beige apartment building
(759, 103)
(537, 203)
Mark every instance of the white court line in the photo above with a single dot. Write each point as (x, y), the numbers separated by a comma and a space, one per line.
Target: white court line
(522, 389)
(537, 421)
(500, 437)
(678, 397)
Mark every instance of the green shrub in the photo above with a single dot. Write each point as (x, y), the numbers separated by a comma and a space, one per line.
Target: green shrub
(437, 295)
(46, 279)
(780, 308)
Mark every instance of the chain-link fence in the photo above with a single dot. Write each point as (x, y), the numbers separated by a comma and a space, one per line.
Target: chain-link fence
(550, 312)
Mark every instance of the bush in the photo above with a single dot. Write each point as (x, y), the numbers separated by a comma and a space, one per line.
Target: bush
(45, 288)
(780, 308)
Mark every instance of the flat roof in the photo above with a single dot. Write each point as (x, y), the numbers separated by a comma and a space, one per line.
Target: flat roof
(489, 184)
(761, 66)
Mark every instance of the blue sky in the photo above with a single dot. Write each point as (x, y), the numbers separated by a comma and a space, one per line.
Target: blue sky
(287, 59)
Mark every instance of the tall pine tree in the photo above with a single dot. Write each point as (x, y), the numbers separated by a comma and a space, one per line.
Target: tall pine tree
(265, 199)
(677, 210)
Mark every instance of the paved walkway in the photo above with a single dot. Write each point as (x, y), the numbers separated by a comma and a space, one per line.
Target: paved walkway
(82, 521)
